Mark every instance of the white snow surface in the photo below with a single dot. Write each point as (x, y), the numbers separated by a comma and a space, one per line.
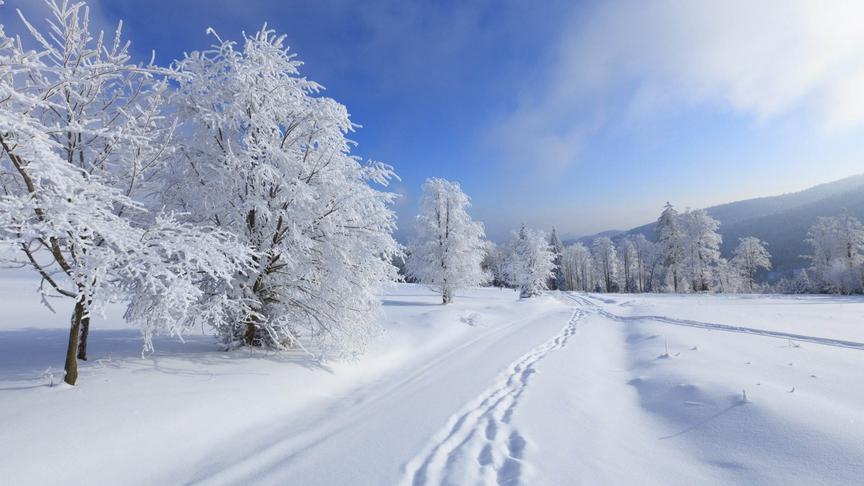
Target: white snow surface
(557, 390)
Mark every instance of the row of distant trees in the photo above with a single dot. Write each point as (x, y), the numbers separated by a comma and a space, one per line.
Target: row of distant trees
(449, 252)
(685, 257)
(836, 261)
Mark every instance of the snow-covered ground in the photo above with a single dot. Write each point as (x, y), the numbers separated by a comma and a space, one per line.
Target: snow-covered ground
(561, 389)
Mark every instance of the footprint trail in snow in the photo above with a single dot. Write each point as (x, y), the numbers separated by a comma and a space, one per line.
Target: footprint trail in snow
(479, 445)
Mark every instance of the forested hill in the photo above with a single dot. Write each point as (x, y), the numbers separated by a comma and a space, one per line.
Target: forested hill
(782, 221)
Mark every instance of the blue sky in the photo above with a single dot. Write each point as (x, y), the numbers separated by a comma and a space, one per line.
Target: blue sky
(583, 115)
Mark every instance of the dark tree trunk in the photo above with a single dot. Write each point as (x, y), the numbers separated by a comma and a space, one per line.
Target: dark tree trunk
(71, 351)
(249, 336)
(82, 340)
(447, 296)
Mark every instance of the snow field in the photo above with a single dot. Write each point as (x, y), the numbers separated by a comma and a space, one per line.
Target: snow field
(479, 444)
(754, 409)
(556, 390)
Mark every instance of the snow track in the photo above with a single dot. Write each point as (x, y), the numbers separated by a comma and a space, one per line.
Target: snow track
(491, 390)
(479, 444)
(840, 343)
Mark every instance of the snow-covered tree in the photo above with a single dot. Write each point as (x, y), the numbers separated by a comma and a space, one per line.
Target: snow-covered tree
(605, 263)
(645, 262)
(801, 283)
(701, 247)
(838, 253)
(670, 245)
(266, 158)
(557, 281)
(531, 262)
(727, 277)
(578, 269)
(448, 249)
(750, 256)
(83, 140)
(494, 264)
(627, 256)
(798, 283)
(569, 269)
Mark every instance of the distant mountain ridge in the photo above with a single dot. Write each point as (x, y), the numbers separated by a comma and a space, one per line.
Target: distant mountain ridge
(782, 221)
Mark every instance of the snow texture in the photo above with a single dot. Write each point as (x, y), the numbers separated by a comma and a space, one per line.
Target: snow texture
(564, 388)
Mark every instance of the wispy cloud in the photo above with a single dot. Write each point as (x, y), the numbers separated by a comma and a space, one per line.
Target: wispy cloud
(633, 60)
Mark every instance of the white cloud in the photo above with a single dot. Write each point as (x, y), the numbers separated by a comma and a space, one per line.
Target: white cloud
(762, 59)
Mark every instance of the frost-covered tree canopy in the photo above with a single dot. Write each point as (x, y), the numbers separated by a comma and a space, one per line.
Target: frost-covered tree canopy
(645, 262)
(688, 249)
(578, 268)
(701, 248)
(605, 263)
(494, 264)
(557, 282)
(750, 256)
(448, 248)
(838, 253)
(531, 262)
(266, 158)
(670, 245)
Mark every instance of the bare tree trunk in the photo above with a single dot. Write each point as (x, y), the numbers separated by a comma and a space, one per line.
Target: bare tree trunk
(249, 335)
(82, 340)
(71, 366)
(447, 296)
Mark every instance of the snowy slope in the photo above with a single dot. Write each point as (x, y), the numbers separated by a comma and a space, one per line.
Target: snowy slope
(666, 402)
(562, 389)
(781, 221)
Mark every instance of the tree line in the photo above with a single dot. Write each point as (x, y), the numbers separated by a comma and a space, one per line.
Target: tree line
(684, 257)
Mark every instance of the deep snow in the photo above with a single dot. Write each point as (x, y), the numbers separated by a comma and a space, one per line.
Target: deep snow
(561, 389)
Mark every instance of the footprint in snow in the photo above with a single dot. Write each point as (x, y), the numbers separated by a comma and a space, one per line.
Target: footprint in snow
(471, 319)
(483, 428)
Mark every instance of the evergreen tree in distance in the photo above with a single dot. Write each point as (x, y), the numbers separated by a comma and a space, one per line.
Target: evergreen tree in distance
(531, 262)
(557, 282)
